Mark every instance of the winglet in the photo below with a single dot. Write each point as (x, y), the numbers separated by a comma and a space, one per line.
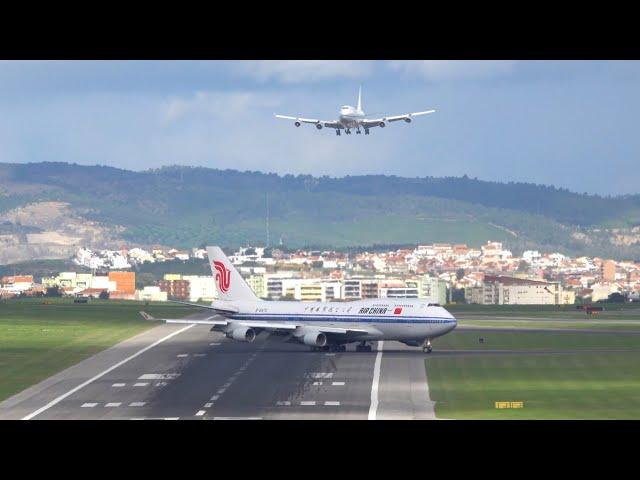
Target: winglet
(146, 316)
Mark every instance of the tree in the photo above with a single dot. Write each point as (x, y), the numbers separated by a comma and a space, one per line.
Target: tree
(104, 295)
(616, 297)
(53, 292)
(523, 266)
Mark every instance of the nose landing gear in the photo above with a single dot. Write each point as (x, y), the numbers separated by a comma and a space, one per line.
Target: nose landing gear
(427, 347)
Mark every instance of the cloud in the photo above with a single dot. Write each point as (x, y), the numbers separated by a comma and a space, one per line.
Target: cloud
(441, 70)
(302, 71)
(217, 104)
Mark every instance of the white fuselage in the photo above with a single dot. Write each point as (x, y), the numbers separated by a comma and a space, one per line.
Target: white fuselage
(350, 117)
(402, 319)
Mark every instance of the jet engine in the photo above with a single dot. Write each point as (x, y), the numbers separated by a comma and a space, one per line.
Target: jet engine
(382, 124)
(319, 126)
(315, 339)
(408, 120)
(242, 334)
(297, 124)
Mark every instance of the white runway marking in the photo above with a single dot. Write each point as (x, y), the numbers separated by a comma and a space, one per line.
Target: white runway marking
(182, 355)
(322, 375)
(141, 384)
(337, 384)
(92, 379)
(283, 404)
(330, 354)
(214, 344)
(373, 409)
(221, 391)
(137, 404)
(200, 413)
(118, 385)
(227, 385)
(113, 404)
(214, 398)
(89, 405)
(237, 418)
(161, 384)
(308, 404)
(159, 376)
(208, 405)
(328, 404)
(199, 354)
(317, 383)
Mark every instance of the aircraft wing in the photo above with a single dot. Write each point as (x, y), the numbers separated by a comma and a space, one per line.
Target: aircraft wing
(205, 321)
(377, 122)
(221, 310)
(324, 123)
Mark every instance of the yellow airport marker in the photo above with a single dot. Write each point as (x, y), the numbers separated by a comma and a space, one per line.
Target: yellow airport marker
(509, 404)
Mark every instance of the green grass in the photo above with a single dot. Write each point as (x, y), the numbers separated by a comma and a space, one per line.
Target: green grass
(39, 339)
(574, 379)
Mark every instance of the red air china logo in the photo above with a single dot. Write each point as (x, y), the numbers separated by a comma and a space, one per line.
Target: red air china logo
(223, 276)
(397, 311)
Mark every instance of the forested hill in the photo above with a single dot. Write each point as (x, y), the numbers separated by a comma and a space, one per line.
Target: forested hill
(187, 206)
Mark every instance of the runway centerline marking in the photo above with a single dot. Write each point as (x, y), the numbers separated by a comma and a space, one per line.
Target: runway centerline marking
(308, 403)
(137, 404)
(118, 385)
(57, 400)
(159, 376)
(113, 404)
(329, 404)
(200, 413)
(373, 409)
(337, 384)
(88, 405)
(141, 384)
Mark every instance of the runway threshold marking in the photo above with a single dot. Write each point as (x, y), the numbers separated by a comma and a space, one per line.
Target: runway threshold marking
(57, 400)
(373, 408)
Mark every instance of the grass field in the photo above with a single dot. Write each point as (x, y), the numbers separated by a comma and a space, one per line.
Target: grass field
(38, 339)
(556, 375)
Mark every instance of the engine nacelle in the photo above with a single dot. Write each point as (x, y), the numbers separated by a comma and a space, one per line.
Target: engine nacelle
(319, 126)
(382, 124)
(297, 124)
(242, 334)
(315, 339)
(408, 120)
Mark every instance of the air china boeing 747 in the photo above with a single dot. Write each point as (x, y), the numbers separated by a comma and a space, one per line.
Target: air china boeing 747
(241, 316)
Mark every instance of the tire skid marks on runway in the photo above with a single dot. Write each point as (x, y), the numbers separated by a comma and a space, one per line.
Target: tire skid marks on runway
(232, 379)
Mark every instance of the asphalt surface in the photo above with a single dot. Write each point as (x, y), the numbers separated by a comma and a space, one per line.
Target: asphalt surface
(187, 372)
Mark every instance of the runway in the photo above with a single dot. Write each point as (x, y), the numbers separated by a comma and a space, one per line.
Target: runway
(186, 372)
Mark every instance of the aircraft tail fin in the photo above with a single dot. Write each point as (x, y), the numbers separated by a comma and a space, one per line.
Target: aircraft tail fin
(230, 284)
(360, 99)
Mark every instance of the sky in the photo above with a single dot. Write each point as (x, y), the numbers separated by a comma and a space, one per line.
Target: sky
(571, 124)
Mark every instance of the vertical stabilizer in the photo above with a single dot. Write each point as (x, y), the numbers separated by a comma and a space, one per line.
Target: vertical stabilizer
(360, 99)
(230, 284)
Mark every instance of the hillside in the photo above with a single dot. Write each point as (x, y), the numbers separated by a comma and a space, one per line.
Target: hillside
(184, 206)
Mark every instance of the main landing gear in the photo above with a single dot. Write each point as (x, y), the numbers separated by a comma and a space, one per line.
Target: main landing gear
(348, 131)
(358, 132)
(363, 347)
(366, 131)
(427, 347)
(337, 131)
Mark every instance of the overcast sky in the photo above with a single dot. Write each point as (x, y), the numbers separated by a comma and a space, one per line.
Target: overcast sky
(568, 124)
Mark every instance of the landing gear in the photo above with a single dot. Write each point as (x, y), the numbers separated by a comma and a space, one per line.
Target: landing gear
(338, 348)
(358, 132)
(337, 131)
(363, 347)
(366, 131)
(348, 131)
(427, 347)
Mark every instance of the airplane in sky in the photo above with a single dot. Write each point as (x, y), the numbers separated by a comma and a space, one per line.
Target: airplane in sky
(353, 117)
(330, 326)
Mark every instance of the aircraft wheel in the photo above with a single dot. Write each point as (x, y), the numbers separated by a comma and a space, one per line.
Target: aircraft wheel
(427, 349)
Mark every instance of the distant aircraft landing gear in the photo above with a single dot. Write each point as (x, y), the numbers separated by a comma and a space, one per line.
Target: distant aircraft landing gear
(363, 347)
(427, 348)
(358, 132)
(366, 131)
(348, 131)
(337, 132)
